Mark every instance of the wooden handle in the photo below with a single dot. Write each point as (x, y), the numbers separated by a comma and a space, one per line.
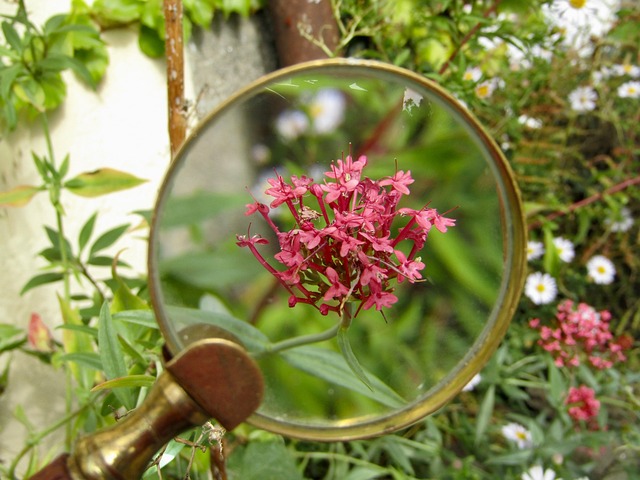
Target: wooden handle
(212, 378)
(56, 470)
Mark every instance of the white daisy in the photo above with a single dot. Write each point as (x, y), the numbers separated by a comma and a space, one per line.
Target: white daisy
(538, 473)
(564, 248)
(629, 90)
(601, 270)
(580, 20)
(475, 380)
(622, 223)
(534, 250)
(626, 69)
(472, 74)
(327, 109)
(583, 99)
(290, 124)
(529, 122)
(600, 75)
(540, 288)
(485, 89)
(516, 433)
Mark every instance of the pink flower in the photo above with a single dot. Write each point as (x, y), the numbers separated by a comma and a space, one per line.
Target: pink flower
(583, 405)
(578, 333)
(399, 182)
(336, 289)
(38, 334)
(351, 248)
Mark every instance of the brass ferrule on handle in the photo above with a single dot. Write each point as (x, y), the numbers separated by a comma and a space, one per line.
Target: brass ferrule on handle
(124, 451)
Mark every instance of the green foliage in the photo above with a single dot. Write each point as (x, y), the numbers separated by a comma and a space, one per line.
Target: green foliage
(33, 58)
(148, 16)
(578, 174)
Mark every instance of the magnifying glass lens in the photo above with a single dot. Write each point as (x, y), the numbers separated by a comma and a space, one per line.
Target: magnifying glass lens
(356, 230)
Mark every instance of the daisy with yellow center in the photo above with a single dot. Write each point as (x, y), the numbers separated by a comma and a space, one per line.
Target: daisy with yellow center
(518, 434)
(601, 270)
(540, 288)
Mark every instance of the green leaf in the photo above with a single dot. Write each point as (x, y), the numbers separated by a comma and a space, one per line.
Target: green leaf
(87, 359)
(57, 62)
(557, 385)
(150, 42)
(267, 459)
(42, 279)
(200, 12)
(101, 182)
(11, 337)
(252, 339)
(111, 354)
(107, 239)
(130, 381)
(146, 318)
(113, 12)
(485, 413)
(332, 367)
(74, 343)
(31, 92)
(551, 259)
(12, 37)
(86, 232)
(92, 331)
(18, 196)
(349, 356)
(8, 75)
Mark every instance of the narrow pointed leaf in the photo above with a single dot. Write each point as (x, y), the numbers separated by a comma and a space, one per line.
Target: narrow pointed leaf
(42, 279)
(130, 381)
(86, 232)
(86, 359)
(102, 182)
(349, 356)
(18, 196)
(332, 367)
(485, 413)
(107, 239)
(111, 354)
(76, 342)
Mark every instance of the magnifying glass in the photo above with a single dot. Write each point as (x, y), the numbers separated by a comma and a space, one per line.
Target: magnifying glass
(281, 148)
(346, 242)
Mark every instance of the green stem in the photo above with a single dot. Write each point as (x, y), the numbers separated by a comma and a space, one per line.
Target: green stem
(37, 438)
(54, 193)
(299, 341)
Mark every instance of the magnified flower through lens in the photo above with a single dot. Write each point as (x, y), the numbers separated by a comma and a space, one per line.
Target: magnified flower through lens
(348, 242)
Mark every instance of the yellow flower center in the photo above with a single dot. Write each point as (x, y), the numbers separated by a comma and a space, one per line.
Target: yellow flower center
(482, 91)
(521, 435)
(601, 269)
(577, 3)
(540, 287)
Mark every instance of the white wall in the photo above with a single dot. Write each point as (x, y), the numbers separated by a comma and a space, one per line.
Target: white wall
(123, 126)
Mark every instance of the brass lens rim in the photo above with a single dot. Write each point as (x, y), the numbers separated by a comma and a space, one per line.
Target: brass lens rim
(514, 241)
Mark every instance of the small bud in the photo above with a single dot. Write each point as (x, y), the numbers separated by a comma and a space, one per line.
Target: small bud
(39, 336)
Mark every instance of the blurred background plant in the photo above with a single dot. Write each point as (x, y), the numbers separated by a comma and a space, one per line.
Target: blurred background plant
(556, 83)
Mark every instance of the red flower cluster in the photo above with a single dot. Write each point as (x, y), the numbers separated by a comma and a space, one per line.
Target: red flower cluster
(580, 331)
(347, 249)
(583, 405)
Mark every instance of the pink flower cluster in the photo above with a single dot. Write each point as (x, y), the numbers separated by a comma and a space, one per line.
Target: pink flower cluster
(583, 405)
(347, 248)
(580, 331)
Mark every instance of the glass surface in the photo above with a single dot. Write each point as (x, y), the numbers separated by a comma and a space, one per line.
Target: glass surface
(416, 321)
